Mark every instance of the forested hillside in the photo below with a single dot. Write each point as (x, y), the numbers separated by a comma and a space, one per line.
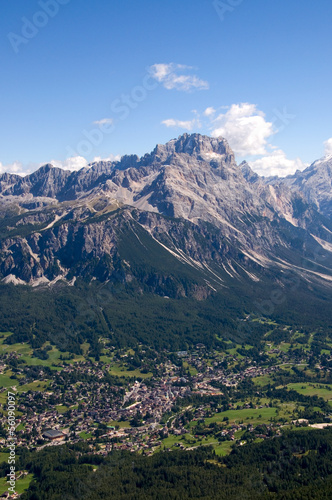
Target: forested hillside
(296, 466)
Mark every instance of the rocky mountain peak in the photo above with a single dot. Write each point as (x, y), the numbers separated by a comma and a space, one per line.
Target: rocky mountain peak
(248, 173)
(7, 179)
(198, 144)
(315, 182)
(44, 169)
(187, 198)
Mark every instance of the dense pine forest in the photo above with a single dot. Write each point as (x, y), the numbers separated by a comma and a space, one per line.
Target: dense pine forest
(70, 316)
(295, 466)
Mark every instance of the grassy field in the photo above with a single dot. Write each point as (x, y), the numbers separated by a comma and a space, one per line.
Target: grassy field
(21, 484)
(189, 441)
(170, 441)
(61, 408)
(3, 397)
(54, 354)
(6, 381)
(118, 371)
(223, 448)
(250, 415)
(192, 369)
(284, 347)
(234, 352)
(122, 425)
(262, 380)
(308, 389)
(3, 457)
(54, 361)
(37, 385)
(26, 352)
(85, 435)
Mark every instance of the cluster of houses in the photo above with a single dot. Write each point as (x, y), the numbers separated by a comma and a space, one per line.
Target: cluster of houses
(80, 400)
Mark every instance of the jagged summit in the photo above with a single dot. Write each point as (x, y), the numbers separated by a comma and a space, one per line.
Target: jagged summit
(315, 182)
(193, 176)
(248, 172)
(187, 200)
(196, 144)
(188, 152)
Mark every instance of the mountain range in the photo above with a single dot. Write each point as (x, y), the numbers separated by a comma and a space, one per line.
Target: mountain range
(182, 221)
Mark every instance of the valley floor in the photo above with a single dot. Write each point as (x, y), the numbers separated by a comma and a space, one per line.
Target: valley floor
(144, 401)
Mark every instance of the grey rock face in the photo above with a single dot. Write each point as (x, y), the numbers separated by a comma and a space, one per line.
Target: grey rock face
(187, 201)
(248, 173)
(315, 182)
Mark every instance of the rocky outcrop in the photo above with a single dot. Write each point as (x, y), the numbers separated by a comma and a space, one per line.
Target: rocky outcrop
(315, 182)
(184, 219)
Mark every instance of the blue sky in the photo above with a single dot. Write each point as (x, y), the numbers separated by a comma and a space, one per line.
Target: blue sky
(83, 80)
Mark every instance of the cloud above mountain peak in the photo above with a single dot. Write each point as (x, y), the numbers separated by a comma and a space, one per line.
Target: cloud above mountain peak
(328, 146)
(177, 77)
(245, 127)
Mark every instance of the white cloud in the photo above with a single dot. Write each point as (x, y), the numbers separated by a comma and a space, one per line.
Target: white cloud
(328, 146)
(245, 128)
(174, 76)
(74, 163)
(14, 168)
(186, 125)
(276, 163)
(104, 121)
(209, 111)
(109, 158)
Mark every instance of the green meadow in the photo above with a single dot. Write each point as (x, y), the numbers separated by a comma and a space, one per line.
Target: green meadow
(310, 389)
(21, 484)
(250, 415)
(55, 359)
